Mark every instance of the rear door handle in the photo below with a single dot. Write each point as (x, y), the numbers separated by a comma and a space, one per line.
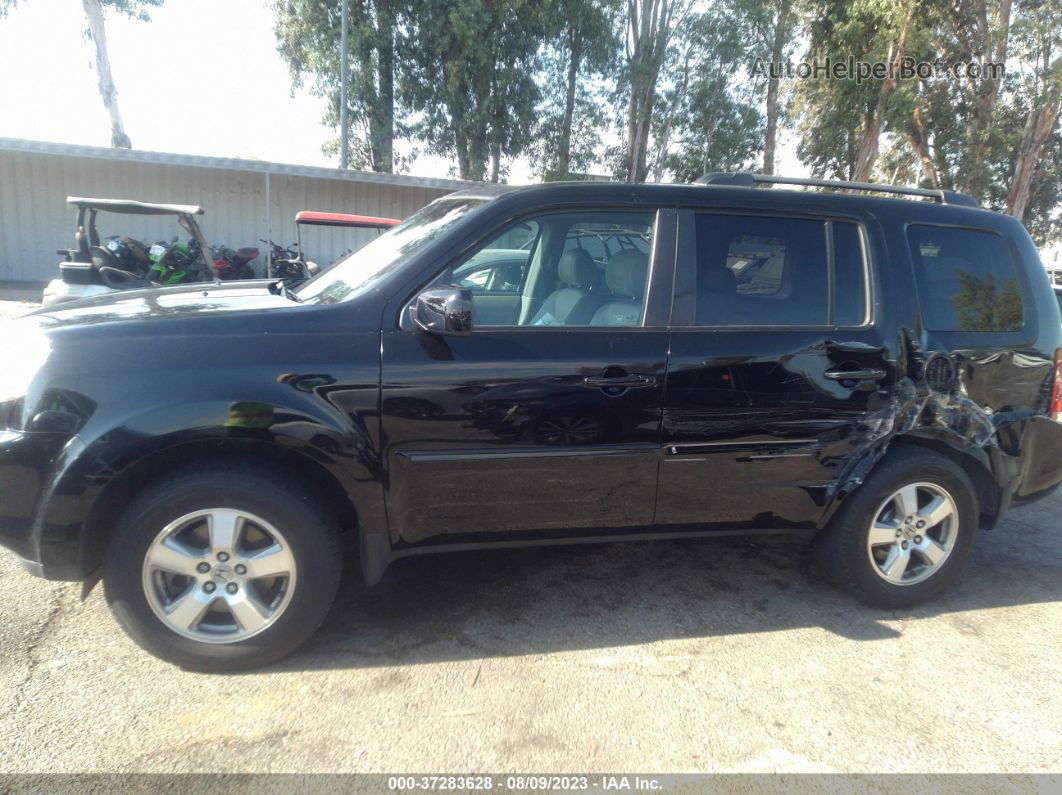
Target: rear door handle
(631, 381)
(855, 375)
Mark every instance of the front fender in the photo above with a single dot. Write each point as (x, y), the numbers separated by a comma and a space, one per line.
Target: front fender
(169, 436)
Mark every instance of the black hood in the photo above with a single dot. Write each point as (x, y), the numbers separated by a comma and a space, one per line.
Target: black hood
(183, 301)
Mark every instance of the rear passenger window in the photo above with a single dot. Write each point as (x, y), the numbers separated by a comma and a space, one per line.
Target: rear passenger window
(763, 271)
(967, 279)
(589, 242)
(849, 275)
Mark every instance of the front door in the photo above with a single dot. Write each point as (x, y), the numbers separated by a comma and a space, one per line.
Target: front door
(775, 364)
(549, 420)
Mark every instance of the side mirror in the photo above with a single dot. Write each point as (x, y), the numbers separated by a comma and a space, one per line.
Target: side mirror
(443, 310)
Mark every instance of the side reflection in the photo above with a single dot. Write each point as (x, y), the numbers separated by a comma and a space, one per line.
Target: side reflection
(557, 419)
(346, 399)
(61, 411)
(247, 414)
(981, 305)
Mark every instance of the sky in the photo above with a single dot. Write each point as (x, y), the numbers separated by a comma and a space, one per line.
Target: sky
(203, 78)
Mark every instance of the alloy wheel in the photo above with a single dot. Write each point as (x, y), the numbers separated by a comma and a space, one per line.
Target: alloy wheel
(913, 533)
(219, 575)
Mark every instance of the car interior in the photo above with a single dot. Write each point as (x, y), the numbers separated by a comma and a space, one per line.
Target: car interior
(563, 269)
(755, 271)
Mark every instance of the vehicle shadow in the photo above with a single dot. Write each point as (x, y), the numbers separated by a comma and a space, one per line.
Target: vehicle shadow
(537, 601)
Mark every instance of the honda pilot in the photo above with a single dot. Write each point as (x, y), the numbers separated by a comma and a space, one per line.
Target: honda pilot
(874, 368)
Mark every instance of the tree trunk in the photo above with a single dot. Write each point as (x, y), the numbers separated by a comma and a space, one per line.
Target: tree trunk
(1038, 129)
(478, 148)
(648, 32)
(643, 96)
(781, 36)
(461, 145)
(94, 13)
(564, 144)
(918, 138)
(981, 117)
(867, 150)
(665, 134)
(495, 161)
(385, 133)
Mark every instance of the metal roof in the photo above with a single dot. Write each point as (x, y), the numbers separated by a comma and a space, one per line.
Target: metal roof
(135, 207)
(230, 163)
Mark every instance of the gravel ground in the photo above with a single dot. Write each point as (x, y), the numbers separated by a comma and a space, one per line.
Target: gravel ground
(717, 655)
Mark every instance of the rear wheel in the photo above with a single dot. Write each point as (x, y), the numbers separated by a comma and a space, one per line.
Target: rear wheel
(223, 569)
(905, 534)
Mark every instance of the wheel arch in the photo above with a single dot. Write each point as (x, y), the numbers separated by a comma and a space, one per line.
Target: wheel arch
(166, 461)
(977, 465)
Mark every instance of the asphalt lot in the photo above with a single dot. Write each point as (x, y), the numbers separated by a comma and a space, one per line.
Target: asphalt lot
(718, 655)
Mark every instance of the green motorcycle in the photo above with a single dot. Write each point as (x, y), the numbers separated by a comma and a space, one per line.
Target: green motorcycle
(174, 262)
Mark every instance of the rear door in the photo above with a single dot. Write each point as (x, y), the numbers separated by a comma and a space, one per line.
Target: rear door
(776, 360)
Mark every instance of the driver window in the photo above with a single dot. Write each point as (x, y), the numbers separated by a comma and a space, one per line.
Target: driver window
(586, 268)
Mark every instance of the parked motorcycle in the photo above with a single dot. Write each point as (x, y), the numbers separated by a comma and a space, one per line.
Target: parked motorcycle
(131, 255)
(94, 266)
(230, 264)
(284, 262)
(174, 262)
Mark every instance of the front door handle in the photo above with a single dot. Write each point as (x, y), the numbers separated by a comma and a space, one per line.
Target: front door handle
(855, 375)
(630, 381)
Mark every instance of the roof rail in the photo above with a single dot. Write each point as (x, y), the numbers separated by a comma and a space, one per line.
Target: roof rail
(749, 180)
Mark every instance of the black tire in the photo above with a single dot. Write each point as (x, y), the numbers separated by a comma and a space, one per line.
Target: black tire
(842, 547)
(309, 529)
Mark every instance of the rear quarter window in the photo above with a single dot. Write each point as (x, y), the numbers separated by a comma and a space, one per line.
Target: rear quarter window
(967, 279)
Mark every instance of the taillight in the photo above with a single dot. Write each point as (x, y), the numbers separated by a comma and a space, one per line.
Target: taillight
(1056, 388)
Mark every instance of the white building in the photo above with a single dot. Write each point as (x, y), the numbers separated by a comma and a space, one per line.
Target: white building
(245, 200)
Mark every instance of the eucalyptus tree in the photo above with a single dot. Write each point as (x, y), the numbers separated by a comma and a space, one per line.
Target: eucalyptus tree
(649, 30)
(468, 79)
(842, 120)
(95, 16)
(580, 53)
(708, 114)
(309, 39)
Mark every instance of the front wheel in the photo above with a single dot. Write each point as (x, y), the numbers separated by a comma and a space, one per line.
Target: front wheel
(905, 534)
(222, 569)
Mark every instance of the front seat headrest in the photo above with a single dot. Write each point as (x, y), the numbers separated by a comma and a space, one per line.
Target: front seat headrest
(627, 272)
(577, 269)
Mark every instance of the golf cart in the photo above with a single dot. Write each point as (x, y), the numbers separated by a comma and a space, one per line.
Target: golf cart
(300, 268)
(96, 266)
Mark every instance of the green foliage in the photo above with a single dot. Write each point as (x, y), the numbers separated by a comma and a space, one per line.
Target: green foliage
(309, 34)
(468, 78)
(581, 50)
(981, 305)
(708, 117)
(832, 113)
(134, 9)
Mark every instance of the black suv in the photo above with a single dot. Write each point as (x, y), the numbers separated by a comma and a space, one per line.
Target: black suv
(879, 373)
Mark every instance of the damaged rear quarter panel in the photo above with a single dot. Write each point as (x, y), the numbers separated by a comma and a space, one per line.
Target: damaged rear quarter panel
(983, 396)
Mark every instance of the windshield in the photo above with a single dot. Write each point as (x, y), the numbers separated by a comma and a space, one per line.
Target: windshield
(385, 253)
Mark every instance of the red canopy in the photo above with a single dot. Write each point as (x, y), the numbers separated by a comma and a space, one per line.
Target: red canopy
(343, 219)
